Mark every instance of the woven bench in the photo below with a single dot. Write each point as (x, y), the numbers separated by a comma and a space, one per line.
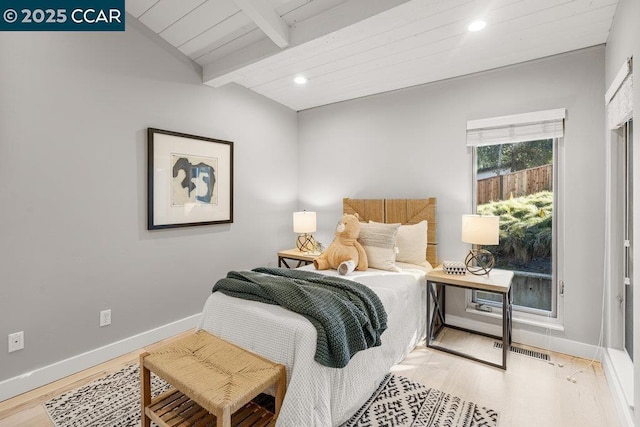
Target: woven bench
(213, 383)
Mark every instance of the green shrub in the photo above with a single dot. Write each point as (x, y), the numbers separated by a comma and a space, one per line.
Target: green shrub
(526, 232)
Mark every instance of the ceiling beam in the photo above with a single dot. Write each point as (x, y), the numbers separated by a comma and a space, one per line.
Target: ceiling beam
(267, 20)
(318, 28)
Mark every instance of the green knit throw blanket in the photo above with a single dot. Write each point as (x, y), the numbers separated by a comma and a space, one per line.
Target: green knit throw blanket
(348, 316)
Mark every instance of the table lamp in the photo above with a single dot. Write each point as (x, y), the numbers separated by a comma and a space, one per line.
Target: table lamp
(304, 223)
(480, 230)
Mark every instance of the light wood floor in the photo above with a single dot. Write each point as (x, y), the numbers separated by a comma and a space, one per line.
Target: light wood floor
(531, 392)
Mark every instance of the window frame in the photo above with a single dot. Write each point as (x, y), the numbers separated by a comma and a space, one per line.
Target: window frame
(549, 319)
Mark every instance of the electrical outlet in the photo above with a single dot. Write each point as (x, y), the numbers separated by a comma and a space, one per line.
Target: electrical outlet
(16, 341)
(105, 318)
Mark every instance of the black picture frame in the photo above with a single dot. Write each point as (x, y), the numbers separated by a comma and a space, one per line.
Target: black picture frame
(189, 180)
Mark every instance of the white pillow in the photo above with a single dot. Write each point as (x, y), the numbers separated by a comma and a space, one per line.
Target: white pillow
(412, 243)
(379, 243)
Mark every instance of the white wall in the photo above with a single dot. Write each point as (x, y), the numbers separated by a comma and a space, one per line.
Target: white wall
(624, 42)
(74, 109)
(411, 143)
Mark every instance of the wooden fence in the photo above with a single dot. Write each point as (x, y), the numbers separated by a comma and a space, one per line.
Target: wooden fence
(516, 184)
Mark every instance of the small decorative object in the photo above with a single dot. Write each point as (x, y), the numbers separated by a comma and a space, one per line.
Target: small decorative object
(189, 180)
(480, 230)
(304, 223)
(454, 267)
(345, 247)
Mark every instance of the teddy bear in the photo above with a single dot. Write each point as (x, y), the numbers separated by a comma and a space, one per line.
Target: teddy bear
(345, 252)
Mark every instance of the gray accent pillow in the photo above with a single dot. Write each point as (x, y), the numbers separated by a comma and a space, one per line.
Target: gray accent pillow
(379, 243)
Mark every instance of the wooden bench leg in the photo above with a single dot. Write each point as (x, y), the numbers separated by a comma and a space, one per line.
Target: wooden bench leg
(281, 388)
(223, 418)
(145, 392)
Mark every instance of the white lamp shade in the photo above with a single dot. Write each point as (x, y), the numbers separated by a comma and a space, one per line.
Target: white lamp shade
(481, 229)
(304, 222)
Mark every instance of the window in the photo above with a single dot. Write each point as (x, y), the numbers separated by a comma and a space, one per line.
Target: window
(627, 225)
(515, 172)
(515, 182)
(619, 101)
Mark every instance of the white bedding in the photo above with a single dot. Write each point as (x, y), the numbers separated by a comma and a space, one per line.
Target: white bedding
(318, 395)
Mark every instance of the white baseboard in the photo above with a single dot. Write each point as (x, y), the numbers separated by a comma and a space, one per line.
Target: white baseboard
(615, 378)
(30, 380)
(543, 341)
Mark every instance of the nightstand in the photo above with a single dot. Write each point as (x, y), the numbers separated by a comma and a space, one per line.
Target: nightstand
(303, 258)
(498, 281)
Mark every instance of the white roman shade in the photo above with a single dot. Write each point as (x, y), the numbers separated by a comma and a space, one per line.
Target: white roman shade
(619, 97)
(533, 126)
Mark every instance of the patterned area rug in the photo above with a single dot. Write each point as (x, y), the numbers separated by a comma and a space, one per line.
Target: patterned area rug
(401, 402)
(114, 401)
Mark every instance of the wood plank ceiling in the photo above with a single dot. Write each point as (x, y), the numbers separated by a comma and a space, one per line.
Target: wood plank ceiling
(354, 48)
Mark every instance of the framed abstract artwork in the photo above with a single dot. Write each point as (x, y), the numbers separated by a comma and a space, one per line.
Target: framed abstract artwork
(189, 181)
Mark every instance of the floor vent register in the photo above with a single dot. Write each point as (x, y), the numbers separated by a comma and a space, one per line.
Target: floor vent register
(523, 351)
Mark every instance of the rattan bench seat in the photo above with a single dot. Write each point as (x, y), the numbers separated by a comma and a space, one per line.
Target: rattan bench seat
(213, 379)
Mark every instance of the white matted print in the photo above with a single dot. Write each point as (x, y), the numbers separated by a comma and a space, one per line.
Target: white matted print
(190, 180)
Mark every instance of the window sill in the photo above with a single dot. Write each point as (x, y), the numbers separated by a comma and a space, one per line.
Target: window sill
(539, 321)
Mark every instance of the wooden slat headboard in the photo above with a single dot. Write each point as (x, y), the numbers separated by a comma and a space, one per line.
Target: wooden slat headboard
(403, 211)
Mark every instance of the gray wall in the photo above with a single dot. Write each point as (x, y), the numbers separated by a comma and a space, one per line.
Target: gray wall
(623, 42)
(411, 143)
(74, 109)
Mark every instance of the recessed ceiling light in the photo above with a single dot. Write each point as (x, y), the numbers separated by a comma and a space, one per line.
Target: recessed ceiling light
(300, 80)
(477, 25)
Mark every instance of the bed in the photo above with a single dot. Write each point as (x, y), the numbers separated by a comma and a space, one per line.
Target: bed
(318, 395)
